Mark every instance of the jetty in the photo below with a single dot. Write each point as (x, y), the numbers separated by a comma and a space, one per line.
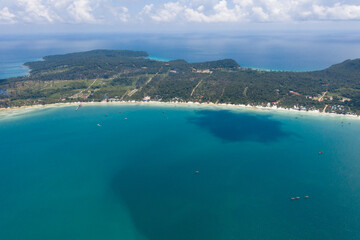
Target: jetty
(80, 105)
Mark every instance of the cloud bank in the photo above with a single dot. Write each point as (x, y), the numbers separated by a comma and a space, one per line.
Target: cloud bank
(181, 11)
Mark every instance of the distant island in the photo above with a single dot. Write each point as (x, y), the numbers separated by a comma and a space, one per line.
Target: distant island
(114, 75)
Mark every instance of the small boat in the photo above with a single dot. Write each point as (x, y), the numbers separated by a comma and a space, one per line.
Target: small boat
(306, 197)
(292, 198)
(297, 198)
(98, 125)
(320, 153)
(125, 118)
(196, 172)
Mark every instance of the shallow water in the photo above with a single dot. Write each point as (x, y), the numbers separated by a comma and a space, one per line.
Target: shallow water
(63, 177)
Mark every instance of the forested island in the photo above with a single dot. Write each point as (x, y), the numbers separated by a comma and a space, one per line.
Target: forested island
(114, 75)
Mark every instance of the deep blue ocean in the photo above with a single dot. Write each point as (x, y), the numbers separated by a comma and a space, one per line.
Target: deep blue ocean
(177, 172)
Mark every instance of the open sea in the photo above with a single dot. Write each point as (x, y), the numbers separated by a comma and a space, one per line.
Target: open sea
(166, 172)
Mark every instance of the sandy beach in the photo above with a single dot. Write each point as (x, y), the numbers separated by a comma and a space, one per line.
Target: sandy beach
(16, 111)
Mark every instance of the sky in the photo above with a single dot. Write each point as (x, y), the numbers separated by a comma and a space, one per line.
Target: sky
(17, 16)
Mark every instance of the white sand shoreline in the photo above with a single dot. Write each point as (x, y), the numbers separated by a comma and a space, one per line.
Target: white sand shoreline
(12, 111)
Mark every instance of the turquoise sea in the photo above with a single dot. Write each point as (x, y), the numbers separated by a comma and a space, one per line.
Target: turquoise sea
(134, 177)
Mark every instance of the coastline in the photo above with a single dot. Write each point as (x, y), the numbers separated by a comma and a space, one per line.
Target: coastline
(14, 111)
(338, 107)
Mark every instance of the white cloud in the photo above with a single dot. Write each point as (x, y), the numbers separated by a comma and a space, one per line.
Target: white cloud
(36, 10)
(180, 11)
(243, 3)
(60, 3)
(6, 16)
(81, 10)
(251, 11)
(168, 12)
(259, 14)
(147, 9)
(220, 13)
(121, 13)
(337, 12)
(195, 16)
(223, 13)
